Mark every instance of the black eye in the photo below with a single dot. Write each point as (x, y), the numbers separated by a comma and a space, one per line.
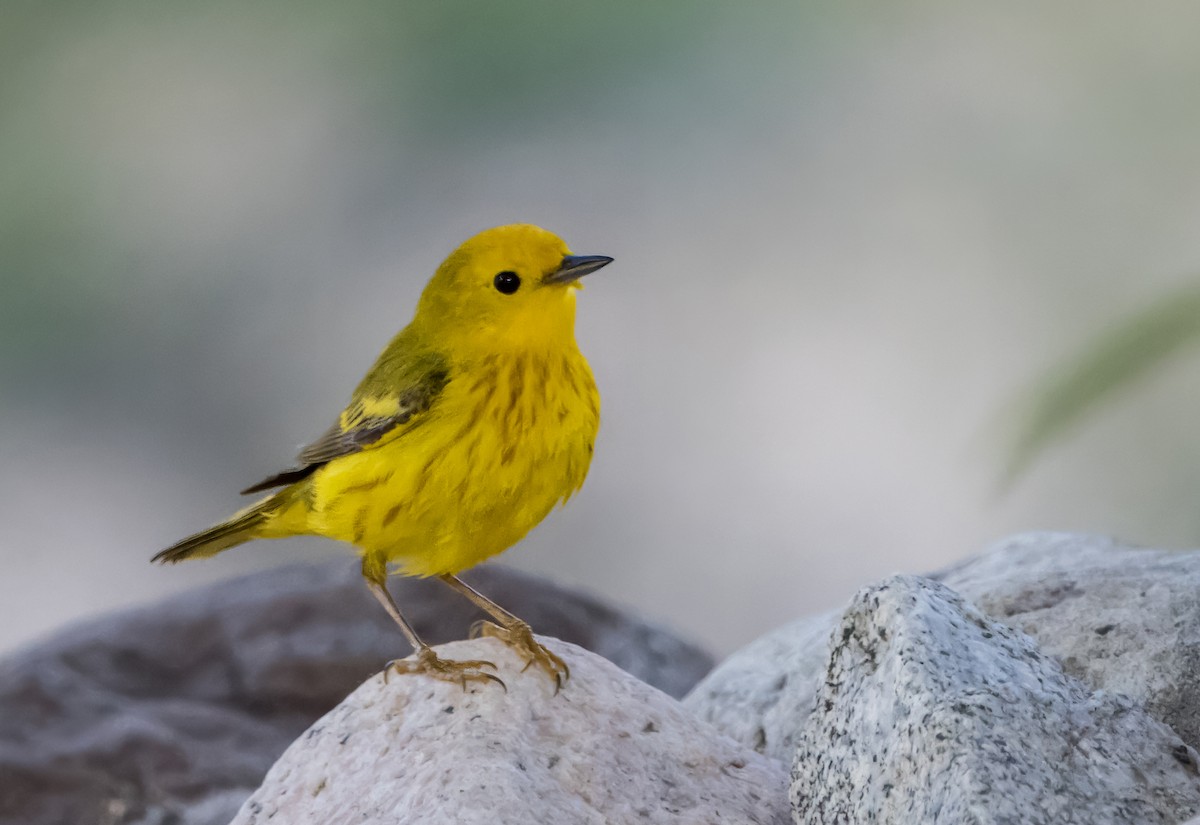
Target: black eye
(507, 282)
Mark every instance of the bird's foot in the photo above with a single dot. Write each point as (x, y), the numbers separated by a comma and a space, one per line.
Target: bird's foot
(519, 636)
(427, 662)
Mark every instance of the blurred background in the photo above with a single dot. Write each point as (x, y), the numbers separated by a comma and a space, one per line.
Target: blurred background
(847, 237)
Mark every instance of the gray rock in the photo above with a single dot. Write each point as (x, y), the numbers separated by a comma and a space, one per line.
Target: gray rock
(930, 712)
(761, 693)
(606, 749)
(1121, 619)
(173, 713)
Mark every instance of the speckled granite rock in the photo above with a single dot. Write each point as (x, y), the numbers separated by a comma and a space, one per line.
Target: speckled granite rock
(173, 713)
(1120, 618)
(930, 712)
(607, 749)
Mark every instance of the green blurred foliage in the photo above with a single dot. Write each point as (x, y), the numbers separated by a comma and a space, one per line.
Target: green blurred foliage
(842, 231)
(1111, 364)
(442, 78)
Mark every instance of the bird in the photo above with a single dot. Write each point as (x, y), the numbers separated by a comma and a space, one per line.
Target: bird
(474, 423)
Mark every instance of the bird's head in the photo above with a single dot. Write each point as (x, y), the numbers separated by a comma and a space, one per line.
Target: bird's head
(511, 287)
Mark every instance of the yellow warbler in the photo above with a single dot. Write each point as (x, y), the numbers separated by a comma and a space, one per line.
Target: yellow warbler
(475, 421)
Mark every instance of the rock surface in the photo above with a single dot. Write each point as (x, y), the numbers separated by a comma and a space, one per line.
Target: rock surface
(1121, 619)
(930, 712)
(606, 749)
(173, 713)
(761, 693)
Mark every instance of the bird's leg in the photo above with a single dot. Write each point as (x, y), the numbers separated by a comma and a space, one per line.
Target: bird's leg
(426, 661)
(513, 632)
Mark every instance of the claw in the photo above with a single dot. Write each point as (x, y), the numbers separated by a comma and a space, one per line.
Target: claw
(428, 663)
(519, 636)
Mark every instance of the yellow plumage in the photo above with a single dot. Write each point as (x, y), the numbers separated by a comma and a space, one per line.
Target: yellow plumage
(507, 440)
(475, 421)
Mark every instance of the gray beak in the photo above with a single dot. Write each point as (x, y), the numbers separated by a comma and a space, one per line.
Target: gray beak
(574, 267)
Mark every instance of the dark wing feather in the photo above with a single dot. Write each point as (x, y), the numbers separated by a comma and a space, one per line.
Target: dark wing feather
(361, 432)
(355, 430)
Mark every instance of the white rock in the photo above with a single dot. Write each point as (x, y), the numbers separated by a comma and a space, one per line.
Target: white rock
(760, 693)
(606, 749)
(929, 712)
(1122, 619)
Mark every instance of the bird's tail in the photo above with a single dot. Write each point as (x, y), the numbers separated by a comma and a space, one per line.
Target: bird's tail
(242, 527)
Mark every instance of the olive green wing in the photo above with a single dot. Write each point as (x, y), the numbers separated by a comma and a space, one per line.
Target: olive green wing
(392, 399)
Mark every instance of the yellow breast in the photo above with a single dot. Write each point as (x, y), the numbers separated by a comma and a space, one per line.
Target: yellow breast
(508, 439)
